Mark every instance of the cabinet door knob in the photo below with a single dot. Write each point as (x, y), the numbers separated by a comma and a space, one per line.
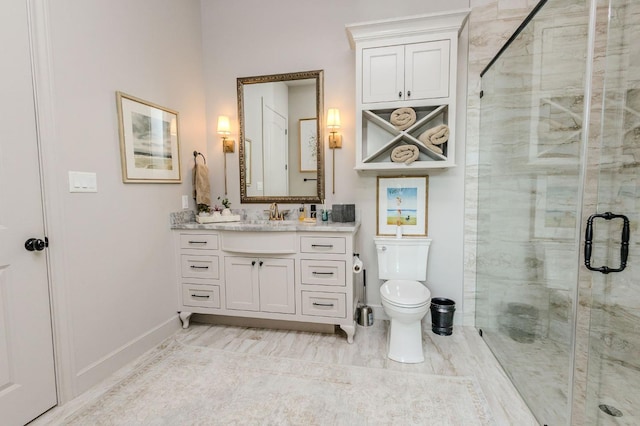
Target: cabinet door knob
(261, 262)
(400, 94)
(409, 94)
(253, 263)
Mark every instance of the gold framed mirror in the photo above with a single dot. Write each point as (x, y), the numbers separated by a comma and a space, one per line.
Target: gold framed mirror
(281, 138)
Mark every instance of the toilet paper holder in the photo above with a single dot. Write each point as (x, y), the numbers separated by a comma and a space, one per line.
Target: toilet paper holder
(357, 264)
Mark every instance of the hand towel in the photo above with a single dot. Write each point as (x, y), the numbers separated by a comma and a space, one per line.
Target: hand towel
(201, 187)
(406, 154)
(403, 118)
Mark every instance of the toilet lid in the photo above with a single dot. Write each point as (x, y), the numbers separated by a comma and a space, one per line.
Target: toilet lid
(405, 292)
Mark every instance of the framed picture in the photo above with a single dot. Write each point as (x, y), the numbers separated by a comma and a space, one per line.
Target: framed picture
(149, 147)
(308, 144)
(247, 159)
(402, 201)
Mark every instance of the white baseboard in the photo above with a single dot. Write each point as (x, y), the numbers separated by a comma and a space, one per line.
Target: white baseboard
(112, 362)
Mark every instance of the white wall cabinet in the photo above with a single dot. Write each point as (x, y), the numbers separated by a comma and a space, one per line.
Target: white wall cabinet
(405, 72)
(293, 276)
(405, 63)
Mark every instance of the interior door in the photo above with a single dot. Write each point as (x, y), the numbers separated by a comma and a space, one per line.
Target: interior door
(614, 343)
(276, 149)
(27, 379)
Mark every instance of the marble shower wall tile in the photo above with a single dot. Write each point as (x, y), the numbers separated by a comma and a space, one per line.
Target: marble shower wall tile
(491, 23)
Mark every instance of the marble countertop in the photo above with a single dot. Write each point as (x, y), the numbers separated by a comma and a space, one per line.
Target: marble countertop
(271, 226)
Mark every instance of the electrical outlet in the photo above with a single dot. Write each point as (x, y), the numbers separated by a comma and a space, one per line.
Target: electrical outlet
(185, 201)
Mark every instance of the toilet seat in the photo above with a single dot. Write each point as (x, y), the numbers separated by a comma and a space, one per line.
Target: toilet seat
(405, 293)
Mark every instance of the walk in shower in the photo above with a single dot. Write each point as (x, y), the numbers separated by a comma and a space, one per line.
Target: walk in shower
(560, 142)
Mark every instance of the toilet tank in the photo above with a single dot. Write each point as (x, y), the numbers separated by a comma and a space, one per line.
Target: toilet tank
(402, 258)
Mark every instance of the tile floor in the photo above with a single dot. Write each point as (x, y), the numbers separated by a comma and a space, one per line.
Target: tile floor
(462, 354)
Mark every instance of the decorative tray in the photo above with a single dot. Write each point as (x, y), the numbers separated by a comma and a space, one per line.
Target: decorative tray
(215, 219)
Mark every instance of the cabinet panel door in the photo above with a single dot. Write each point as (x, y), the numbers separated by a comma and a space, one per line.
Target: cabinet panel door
(277, 286)
(241, 283)
(383, 74)
(427, 70)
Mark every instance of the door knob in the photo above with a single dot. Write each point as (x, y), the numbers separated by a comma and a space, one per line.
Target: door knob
(36, 244)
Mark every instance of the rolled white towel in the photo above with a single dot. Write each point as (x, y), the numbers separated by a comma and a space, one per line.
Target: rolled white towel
(435, 136)
(406, 154)
(403, 118)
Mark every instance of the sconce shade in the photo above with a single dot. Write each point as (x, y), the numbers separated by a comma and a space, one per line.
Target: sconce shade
(224, 128)
(333, 118)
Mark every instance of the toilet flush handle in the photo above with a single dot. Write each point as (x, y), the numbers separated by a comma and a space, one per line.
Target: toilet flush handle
(383, 248)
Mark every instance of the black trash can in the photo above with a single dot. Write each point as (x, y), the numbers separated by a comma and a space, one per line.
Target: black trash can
(442, 316)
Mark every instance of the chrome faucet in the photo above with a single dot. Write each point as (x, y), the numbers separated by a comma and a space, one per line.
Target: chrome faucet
(274, 214)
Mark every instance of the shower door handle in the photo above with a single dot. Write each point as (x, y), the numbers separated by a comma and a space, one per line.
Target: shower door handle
(624, 243)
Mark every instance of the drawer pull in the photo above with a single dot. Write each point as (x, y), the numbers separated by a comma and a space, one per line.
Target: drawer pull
(197, 242)
(200, 296)
(327, 305)
(198, 267)
(322, 273)
(322, 245)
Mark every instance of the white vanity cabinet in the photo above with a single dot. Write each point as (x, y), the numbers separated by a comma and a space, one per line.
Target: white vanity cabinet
(323, 277)
(260, 284)
(405, 63)
(290, 272)
(199, 270)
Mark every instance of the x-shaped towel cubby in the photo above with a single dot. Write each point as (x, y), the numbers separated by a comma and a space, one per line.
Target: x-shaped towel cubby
(427, 117)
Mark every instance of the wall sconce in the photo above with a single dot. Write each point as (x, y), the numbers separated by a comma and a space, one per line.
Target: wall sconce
(228, 145)
(335, 138)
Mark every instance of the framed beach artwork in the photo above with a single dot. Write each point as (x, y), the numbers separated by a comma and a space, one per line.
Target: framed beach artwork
(149, 147)
(308, 144)
(402, 201)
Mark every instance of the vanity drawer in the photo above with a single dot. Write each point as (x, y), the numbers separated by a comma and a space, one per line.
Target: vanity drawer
(320, 304)
(259, 242)
(332, 245)
(205, 296)
(323, 272)
(199, 241)
(196, 266)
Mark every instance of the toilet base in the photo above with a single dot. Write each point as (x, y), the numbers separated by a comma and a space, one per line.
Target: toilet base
(405, 342)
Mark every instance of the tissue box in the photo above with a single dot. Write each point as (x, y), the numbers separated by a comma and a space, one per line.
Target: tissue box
(343, 212)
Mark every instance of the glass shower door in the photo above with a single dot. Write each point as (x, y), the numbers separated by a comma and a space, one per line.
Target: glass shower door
(529, 205)
(613, 374)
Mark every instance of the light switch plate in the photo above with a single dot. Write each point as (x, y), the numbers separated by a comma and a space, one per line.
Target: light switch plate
(83, 182)
(185, 201)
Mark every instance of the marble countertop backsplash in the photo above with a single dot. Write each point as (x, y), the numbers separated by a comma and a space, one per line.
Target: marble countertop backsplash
(257, 221)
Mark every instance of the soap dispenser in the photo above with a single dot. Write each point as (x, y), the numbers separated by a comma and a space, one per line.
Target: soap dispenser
(302, 214)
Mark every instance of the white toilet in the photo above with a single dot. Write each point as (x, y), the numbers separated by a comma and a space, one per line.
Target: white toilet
(403, 262)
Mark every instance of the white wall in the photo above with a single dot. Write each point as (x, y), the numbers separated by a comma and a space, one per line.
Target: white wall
(253, 37)
(112, 250)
